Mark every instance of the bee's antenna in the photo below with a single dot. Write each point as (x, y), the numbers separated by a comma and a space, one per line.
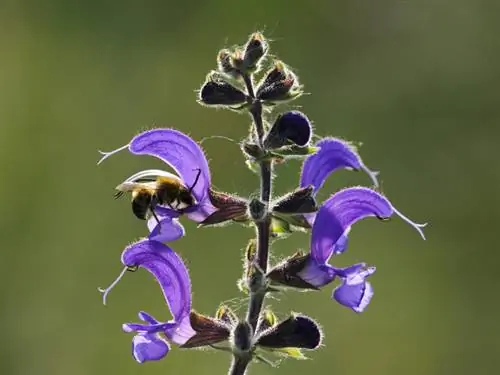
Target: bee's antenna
(118, 194)
(195, 180)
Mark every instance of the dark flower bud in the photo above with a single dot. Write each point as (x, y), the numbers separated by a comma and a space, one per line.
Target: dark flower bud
(287, 272)
(229, 207)
(216, 91)
(225, 314)
(225, 63)
(290, 128)
(298, 331)
(280, 84)
(267, 320)
(257, 209)
(255, 49)
(241, 337)
(208, 330)
(301, 201)
(251, 250)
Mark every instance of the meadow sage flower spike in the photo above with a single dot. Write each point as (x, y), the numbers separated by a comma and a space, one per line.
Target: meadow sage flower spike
(248, 78)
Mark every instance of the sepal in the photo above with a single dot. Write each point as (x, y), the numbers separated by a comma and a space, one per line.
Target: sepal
(287, 272)
(298, 331)
(208, 330)
(300, 201)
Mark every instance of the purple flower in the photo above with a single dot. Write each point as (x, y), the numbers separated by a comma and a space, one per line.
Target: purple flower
(188, 160)
(149, 343)
(334, 219)
(335, 154)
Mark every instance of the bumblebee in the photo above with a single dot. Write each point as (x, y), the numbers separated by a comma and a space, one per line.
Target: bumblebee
(154, 187)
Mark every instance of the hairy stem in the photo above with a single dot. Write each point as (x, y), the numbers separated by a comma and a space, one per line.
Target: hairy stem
(239, 365)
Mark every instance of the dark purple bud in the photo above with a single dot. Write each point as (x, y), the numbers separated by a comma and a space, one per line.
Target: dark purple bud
(251, 250)
(216, 91)
(225, 314)
(255, 49)
(257, 209)
(229, 207)
(301, 201)
(298, 331)
(208, 330)
(287, 272)
(241, 337)
(267, 320)
(289, 128)
(280, 84)
(225, 63)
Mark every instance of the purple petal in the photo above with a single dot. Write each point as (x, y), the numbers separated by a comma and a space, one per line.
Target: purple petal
(339, 212)
(333, 155)
(179, 151)
(200, 212)
(181, 333)
(342, 243)
(317, 274)
(167, 231)
(168, 269)
(355, 292)
(149, 347)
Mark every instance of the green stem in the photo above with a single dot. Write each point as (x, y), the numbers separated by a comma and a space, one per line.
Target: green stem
(239, 365)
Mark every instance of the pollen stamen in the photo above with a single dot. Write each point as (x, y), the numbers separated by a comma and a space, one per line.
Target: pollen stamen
(105, 291)
(373, 175)
(418, 227)
(106, 155)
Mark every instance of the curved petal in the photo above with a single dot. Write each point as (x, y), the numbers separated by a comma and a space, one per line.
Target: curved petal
(177, 332)
(179, 151)
(316, 274)
(200, 212)
(339, 212)
(149, 347)
(342, 243)
(355, 292)
(167, 231)
(181, 333)
(333, 154)
(168, 269)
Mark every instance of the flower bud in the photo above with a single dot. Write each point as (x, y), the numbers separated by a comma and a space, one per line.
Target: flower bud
(280, 84)
(298, 331)
(225, 314)
(216, 91)
(255, 50)
(225, 63)
(300, 201)
(290, 128)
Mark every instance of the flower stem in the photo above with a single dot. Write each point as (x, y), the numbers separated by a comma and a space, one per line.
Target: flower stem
(239, 365)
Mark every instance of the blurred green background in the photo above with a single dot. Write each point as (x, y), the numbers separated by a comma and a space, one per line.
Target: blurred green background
(416, 81)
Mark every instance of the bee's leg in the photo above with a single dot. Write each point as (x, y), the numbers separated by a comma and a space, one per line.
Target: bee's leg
(156, 218)
(195, 180)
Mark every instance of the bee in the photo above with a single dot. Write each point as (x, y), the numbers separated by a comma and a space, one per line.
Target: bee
(154, 187)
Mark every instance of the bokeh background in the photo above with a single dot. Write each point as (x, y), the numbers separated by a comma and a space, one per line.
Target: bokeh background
(416, 81)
